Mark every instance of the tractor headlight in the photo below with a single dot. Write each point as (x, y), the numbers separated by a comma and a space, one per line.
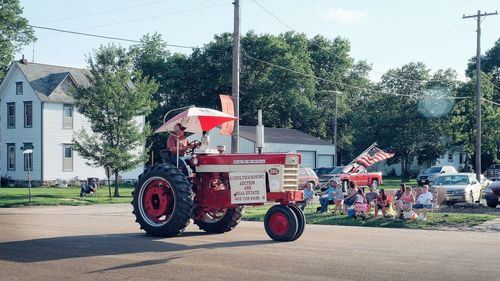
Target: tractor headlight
(292, 159)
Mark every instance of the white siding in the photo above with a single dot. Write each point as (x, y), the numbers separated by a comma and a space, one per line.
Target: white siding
(216, 139)
(308, 158)
(247, 146)
(19, 135)
(325, 160)
(54, 139)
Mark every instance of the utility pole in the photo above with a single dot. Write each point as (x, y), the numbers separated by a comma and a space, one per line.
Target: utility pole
(478, 89)
(235, 89)
(335, 133)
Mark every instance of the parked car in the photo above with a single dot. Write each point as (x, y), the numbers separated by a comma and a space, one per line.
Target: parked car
(492, 194)
(325, 174)
(493, 172)
(356, 174)
(429, 175)
(307, 175)
(460, 187)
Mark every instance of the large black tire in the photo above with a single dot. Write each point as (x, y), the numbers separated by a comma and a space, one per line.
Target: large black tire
(226, 222)
(492, 204)
(301, 219)
(163, 201)
(281, 223)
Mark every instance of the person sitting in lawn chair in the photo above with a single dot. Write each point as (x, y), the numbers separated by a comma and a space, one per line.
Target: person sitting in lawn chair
(360, 204)
(424, 203)
(308, 196)
(89, 189)
(325, 199)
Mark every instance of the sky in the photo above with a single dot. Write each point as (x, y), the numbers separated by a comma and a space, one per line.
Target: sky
(385, 33)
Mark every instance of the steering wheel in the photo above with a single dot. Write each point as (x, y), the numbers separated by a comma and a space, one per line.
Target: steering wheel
(196, 144)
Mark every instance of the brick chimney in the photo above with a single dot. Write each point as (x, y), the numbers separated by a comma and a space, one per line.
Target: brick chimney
(23, 60)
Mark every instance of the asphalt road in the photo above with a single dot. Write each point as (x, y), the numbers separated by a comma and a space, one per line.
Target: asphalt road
(103, 243)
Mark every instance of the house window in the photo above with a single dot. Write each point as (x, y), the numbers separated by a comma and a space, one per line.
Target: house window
(11, 156)
(28, 158)
(11, 115)
(28, 114)
(68, 117)
(450, 157)
(67, 157)
(19, 88)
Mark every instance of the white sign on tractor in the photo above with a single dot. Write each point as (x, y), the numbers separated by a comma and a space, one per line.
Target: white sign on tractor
(247, 187)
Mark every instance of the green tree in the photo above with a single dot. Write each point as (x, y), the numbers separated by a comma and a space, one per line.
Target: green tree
(463, 121)
(14, 32)
(490, 63)
(277, 76)
(114, 102)
(409, 113)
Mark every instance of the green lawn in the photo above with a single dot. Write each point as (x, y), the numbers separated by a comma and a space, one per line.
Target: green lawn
(436, 220)
(14, 197)
(393, 183)
(18, 196)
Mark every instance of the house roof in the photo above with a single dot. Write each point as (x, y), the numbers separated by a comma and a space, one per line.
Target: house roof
(44, 79)
(281, 135)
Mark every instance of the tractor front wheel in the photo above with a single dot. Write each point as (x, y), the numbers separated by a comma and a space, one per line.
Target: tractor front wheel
(301, 220)
(163, 201)
(281, 223)
(220, 220)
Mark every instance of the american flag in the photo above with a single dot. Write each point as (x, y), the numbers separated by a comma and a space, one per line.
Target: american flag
(373, 156)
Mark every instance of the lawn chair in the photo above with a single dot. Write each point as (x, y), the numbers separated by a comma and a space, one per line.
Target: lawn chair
(435, 201)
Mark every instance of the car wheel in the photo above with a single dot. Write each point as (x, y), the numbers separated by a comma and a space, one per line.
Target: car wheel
(375, 183)
(492, 204)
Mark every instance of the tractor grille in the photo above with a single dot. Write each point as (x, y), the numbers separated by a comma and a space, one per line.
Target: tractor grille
(291, 177)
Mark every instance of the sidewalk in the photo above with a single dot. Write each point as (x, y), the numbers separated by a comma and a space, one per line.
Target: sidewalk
(492, 225)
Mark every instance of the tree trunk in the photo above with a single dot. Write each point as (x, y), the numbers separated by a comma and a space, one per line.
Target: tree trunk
(405, 175)
(117, 192)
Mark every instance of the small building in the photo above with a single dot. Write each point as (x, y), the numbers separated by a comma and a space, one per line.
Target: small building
(453, 156)
(37, 110)
(315, 152)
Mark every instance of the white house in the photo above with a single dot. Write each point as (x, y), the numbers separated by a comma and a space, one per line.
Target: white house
(315, 152)
(454, 156)
(37, 110)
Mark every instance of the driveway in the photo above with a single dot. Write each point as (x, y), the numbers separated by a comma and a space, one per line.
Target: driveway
(102, 242)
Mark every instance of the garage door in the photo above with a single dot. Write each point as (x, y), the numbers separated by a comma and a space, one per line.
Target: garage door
(308, 158)
(325, 160)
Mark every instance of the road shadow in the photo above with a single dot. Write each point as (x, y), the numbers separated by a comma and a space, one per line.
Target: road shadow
(60, 248)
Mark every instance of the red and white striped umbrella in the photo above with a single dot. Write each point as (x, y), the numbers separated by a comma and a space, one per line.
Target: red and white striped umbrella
(197, 120)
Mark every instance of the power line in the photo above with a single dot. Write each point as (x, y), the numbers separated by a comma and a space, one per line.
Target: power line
(243, 54)
(153, 17)
(495, 103)
(329, 51)
(102, 12)
(85, 34)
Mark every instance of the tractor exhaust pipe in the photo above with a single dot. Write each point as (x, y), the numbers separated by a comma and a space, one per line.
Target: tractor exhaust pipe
(259, 143)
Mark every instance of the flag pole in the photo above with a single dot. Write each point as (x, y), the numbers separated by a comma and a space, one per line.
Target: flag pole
(366, 150)
(352, 162)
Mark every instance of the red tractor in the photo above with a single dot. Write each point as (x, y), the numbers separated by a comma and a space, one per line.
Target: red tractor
(214, 196)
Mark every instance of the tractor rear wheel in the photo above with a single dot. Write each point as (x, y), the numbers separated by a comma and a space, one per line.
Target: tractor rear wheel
(281, 223)
(220, 220)
(301, 219)
(163, 201)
